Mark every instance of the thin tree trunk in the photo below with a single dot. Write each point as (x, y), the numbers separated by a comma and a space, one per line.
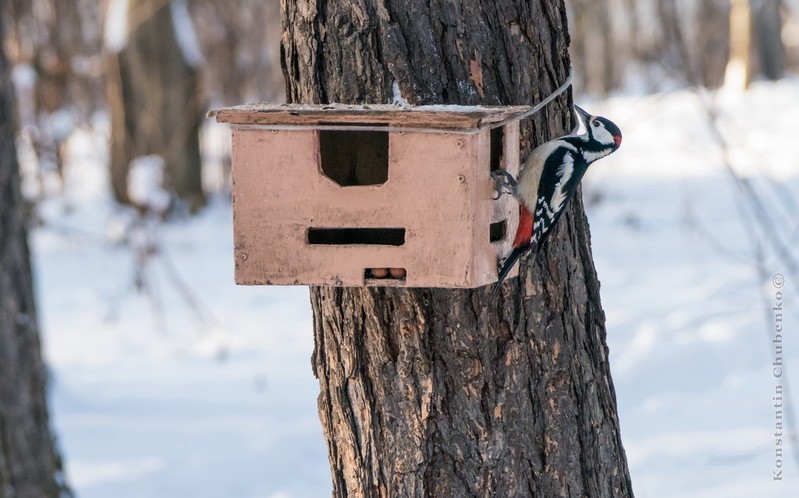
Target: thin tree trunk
(593, 53)
(437, 392)
(29, 463)
(768, 28)
(675, 46)
(712, 33)
(738, 74)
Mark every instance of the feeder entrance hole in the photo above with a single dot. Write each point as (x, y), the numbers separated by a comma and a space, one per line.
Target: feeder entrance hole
(352, 158)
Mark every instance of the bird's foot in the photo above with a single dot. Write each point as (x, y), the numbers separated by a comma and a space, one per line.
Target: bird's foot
(504, 183)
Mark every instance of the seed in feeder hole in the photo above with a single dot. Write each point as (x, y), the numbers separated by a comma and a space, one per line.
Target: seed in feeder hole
(397, 272)
(379, 272)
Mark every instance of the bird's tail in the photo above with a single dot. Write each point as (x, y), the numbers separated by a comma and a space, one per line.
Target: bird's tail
(507, 263)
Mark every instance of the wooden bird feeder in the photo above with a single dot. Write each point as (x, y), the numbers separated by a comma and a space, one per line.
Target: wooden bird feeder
(334, 194)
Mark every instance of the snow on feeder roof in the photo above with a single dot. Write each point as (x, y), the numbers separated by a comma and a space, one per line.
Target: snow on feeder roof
(432, 117)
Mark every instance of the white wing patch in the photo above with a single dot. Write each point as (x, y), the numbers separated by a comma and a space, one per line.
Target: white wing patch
(565, 171)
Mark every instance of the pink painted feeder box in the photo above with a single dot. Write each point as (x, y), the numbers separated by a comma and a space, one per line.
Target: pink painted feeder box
(337, 194)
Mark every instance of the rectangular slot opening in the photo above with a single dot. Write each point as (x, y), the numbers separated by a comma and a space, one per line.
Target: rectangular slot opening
(384, 274)
(352, 158)
(497, 231)
(351, 236)
(497, 145)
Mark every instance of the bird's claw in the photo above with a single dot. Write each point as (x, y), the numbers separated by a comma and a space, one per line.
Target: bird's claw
(504, 183)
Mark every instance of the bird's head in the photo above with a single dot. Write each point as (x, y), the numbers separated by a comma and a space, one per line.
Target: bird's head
(599, 129)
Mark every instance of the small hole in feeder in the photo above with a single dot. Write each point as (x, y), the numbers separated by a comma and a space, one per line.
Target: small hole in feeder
(384, 273)
(497, 231)
(497, 143)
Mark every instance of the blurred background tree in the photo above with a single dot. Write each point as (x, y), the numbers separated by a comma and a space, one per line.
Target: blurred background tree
(651, 45)
(240, 40)
(66, 76)
(155, 100)
(54, 48)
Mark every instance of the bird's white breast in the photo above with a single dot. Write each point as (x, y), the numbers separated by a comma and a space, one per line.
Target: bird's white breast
(530, 175)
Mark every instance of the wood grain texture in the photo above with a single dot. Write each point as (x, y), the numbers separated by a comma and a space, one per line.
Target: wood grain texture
(440, 117)
(437, 392)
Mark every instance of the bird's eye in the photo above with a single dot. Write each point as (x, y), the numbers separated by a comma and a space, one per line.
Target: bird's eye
(596, 123)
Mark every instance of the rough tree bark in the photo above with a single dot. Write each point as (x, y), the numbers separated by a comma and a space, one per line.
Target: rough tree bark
(155, 102)
(29, 463)
(437, 392)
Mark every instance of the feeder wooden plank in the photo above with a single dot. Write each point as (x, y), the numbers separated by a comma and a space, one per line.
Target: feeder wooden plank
(433, 117)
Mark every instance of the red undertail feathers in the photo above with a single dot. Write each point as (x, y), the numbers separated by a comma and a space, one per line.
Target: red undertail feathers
(525, 231)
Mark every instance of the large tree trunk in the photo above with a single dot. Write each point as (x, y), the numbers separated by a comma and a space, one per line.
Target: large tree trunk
(29, 463)
(437, 392)
(155, 102)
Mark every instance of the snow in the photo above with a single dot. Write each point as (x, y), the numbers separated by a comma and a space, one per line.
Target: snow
(169, 381)
(398, 98)
(145, 183)
(690, 326)
(115, 34)
(446, 108)
(24, 77)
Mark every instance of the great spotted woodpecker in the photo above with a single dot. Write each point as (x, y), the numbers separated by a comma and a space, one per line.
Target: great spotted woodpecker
(548, 180)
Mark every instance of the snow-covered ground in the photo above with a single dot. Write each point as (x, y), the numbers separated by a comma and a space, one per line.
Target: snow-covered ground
(689, 316)
(200, 388)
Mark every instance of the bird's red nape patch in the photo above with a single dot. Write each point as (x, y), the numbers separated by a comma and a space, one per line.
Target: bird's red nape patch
(617, 139)
(525, 231)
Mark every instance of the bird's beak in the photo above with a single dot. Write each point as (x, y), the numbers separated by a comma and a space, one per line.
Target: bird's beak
(582, 115)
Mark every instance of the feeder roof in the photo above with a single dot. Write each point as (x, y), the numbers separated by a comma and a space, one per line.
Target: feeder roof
(452, 117)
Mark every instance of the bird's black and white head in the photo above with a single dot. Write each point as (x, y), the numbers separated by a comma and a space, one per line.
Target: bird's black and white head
(601, 133)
